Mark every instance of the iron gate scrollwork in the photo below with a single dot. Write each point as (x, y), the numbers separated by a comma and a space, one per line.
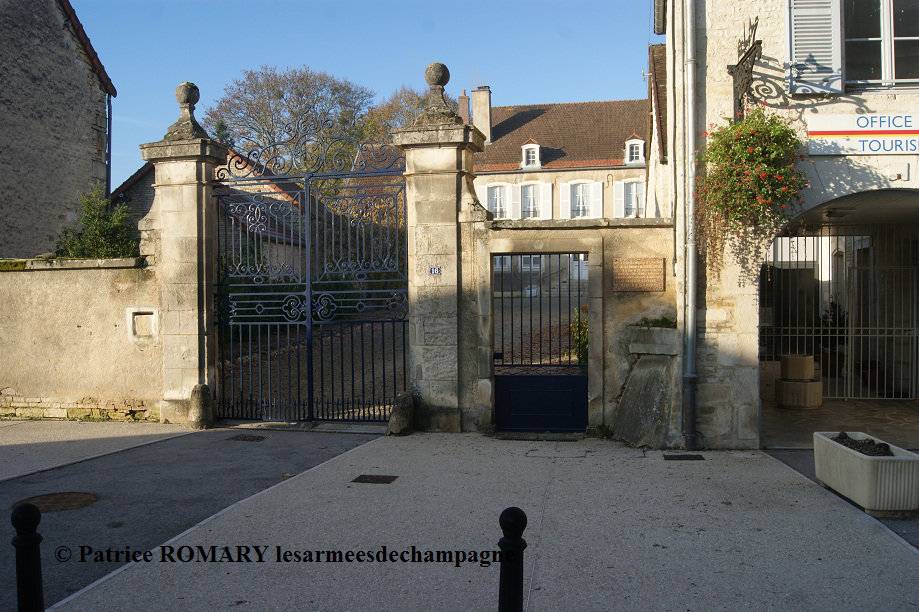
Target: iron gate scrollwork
(311, 295)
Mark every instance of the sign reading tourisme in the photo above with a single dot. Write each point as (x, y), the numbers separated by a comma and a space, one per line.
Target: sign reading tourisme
(869, 134)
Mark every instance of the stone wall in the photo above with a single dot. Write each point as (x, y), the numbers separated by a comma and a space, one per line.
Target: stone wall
(612, 314)
(79, 339)
(53, 126)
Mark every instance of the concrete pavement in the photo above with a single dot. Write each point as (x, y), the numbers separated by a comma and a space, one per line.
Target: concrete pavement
(31, 446)
(141, 496)
(610, 528)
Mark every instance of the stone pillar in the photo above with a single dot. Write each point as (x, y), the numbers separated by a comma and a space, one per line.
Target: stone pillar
(439, 197)
(185, 162)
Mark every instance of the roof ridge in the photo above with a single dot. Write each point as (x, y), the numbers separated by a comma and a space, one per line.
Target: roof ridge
(571, 103)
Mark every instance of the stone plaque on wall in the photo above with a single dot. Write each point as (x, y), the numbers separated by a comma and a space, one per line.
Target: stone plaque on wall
(638, 274)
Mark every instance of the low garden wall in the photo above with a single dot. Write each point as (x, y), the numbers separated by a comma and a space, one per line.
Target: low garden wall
(80, 339)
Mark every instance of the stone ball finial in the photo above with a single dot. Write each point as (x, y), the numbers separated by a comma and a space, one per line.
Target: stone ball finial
(437, 74)
(187, 93)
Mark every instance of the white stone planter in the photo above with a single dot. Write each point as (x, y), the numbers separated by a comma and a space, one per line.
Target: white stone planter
(883, 486)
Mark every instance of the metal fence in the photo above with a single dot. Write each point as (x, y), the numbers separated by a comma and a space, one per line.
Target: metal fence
(540, 312)
(312, 287)
(849, 295)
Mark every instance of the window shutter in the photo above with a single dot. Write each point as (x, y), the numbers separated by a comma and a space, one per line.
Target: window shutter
(481, 192)
(642, 205)
(618, 199)
(816, 47)
(596, 200)
(564, 201)
(513, 196)
(545, 200)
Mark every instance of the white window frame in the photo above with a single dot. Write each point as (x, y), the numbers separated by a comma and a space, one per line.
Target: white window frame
(529, 191)
(511, 199)
(620, 208)
(531, 262)
(639, 207)
(526, 164)
(629, 147)
(567, 201)
(888, 53)
(503, 191)
(502, 262)
(580, 191)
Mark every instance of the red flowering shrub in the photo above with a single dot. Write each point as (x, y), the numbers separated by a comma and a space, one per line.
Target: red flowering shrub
(747, 180)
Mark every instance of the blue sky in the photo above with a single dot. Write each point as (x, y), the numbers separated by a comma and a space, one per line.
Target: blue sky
(529, 52)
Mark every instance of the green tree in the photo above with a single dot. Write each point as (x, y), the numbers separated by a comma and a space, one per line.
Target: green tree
(103, 230)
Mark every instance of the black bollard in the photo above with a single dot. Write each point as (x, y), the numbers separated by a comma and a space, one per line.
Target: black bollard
(25, 519)
(510, 591)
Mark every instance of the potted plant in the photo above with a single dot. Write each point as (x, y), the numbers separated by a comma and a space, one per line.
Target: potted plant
(884, 485)
(747, 184)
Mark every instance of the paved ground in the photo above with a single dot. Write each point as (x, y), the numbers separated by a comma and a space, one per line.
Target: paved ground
(146, 495)
(609, 528)
(29, 446)
(802, 461)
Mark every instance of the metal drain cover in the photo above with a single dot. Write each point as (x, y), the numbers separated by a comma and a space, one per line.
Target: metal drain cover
(375, 479)
(246, 438)
(60, 502)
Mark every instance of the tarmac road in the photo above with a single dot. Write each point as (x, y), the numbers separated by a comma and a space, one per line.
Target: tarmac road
(148, 494)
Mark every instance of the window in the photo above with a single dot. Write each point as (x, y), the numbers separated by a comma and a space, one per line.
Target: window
(881, 41)
(497, 201)
(634, 152)
(580, 200)
(530, 202)
(530, 262)
(530, 159)
(502, 262)
(634, 199)
(629, 199)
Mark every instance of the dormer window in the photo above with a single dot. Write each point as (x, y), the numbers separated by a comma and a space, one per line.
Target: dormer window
(530, 156)
(634, 151)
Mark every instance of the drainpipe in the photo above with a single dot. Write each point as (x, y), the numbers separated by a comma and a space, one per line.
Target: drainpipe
(108, 145)
(689, 321)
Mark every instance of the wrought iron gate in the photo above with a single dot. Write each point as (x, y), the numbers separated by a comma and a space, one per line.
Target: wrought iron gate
(849, 296)
(312, 288)
(540, 332)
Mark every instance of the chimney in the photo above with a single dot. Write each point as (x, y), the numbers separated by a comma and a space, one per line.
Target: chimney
(463, 102)
(481, 110)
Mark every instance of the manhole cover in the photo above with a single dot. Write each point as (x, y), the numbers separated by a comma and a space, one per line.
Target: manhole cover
(683, 457)
(247, 438)
(375, 479)
(60, 502)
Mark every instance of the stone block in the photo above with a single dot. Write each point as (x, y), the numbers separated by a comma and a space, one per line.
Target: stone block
(439, 363)
(179, 296)
(433, 301)
(435, 240)
(643, 415)
(440, 331)
(439, 393)
(401, 418)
